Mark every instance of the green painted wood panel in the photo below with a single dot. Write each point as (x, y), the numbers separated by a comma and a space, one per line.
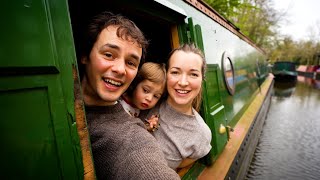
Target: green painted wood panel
(29, 138)
(26, 33)
(212, 89)
(215, 114)
(38, 128)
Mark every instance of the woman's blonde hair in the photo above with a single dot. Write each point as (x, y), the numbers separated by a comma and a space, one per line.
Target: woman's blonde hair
(196, 103)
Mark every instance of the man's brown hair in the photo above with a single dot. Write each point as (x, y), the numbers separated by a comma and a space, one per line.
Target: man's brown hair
(127, 30)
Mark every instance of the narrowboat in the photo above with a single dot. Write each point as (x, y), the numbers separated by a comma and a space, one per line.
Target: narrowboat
(310, 71)
(43, 125)
(285, 71)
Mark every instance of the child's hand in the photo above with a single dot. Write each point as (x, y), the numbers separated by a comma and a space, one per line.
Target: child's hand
(153, 123)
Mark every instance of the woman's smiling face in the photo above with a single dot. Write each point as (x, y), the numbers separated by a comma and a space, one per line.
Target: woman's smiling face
(184, 79)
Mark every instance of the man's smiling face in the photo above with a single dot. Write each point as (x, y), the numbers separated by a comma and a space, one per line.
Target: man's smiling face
(112, 65)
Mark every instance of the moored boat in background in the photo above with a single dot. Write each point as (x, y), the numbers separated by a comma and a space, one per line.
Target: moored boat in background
(284, 71)
(310, 71)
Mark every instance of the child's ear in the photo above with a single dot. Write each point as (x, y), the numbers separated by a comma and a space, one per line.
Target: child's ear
(84, 60)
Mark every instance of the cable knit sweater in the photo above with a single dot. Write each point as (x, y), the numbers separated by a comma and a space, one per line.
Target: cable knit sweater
(122, 148)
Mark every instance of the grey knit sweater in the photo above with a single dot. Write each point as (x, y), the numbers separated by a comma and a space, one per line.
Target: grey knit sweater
(181, 136)
(122, 148)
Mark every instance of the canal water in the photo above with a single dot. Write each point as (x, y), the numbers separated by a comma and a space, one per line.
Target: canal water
(289, 145)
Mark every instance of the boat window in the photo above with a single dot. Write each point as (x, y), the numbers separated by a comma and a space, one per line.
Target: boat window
(228, 73)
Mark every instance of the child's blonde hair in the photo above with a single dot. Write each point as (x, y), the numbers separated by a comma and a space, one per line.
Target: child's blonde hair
(151, 71)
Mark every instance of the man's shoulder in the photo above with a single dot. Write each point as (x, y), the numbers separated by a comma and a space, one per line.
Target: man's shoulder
(130, 150)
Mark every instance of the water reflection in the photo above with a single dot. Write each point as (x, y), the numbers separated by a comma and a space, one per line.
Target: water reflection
(289, 145)
(309, 81)
(284, 89)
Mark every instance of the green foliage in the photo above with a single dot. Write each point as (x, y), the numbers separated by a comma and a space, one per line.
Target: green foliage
(303, 52)
(255, 18)
(226, 8)
(258, 20)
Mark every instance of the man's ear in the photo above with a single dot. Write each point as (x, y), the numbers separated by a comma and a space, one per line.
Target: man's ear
(84, 60)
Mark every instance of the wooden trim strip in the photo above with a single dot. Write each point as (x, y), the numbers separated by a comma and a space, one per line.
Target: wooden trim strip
(83, 133)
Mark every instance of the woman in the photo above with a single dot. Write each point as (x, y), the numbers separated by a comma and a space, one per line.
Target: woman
(183, 135)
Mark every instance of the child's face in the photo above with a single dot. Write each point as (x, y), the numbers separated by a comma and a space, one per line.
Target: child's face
(147, 94)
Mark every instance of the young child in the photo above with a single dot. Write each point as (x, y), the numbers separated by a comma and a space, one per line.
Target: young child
(145, 91)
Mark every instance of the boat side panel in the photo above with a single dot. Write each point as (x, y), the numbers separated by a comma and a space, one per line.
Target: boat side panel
(216, 40)
(246, 131)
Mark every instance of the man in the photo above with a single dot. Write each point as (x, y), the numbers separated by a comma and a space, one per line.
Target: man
(121, 147)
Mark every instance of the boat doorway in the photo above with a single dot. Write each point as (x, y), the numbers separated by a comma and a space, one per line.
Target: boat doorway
(159, 28)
